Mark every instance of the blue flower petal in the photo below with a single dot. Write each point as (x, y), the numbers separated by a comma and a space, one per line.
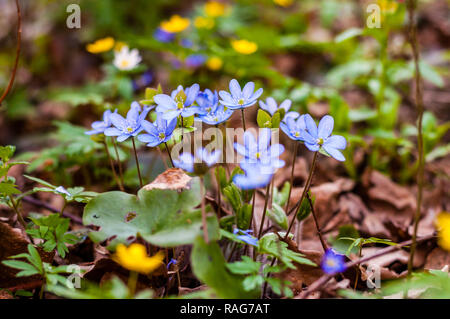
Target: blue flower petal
(325, 126)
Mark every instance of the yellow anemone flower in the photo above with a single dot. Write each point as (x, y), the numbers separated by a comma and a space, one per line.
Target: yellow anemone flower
(215, 9)
(214, 63)
(135, 258)
(204, 23)
(283, 3)
(175, 24)
(443, 226)
(244, 46)
(101, 45)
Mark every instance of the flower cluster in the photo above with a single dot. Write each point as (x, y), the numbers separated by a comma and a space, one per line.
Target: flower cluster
(261, 158)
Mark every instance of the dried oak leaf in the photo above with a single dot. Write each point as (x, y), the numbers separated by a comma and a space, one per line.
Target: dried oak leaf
(12, 242)
(173, 179)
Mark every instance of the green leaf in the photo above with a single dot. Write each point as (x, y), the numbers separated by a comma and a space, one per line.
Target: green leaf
(348, 34)
(276, 119)
(209, 266)
(40, 181)
(278, 216)
(233, 196)
(7, 189)
(221, 176)
(165, 218)
(270, 244)
(243, 216)
(342, 242)
(245, 267)
(253, 282)
(264, 119)
(305, 208)
(7, 152)
(17, 264)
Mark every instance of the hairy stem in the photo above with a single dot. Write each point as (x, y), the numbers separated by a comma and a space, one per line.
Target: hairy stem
(204, 224)
(305, 190)
(294, 156)
(243, 120)
(266, 201)
(118, 162)
(16, 61)
(111, 163)
(168, 153)
(137, 162)
(316, 222)
(420, 108)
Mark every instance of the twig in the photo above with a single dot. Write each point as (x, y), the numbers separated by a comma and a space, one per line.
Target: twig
(318, 284)
(419, 105)
(16, 62)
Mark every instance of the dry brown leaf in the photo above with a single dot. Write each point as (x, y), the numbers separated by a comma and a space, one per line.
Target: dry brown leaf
(12, 242)
(173, 179)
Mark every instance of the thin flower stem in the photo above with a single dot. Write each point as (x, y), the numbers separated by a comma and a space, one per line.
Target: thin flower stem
(243, 120)
(63, 208)
(420, 108)
(305, 190)
(132, 283)
(16, 61)
(111, 163)
(16, 210)
(294, 156)
(41, 292)
(253, 210)
(264, 211)
(316, 222)
(219, 199)
(168, 153)
(119, 162)
(162, 157)
(137, 162)
(204, 223)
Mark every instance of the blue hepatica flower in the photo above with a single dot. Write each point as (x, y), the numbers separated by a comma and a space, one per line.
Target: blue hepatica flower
(163, 36)
(195, 60)
(158, 132)
(319, 137)
(293, 127)
(271, 105)
(332, 262)
(178, 103)
(256, 176)
(245, 236)
(261, 151)
(99, 127)
(239, 99)
(207, 101)
(129, 126)
(216, 117)
(186, 161)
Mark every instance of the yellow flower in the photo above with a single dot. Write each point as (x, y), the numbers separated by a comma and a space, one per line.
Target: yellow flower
(387, 6)
(101, 45)
(283, 3)
(244, 46)
(215, 9)
(443, 226)
(135, 258)
(206, 23)
(214, 63)
(175, 24)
